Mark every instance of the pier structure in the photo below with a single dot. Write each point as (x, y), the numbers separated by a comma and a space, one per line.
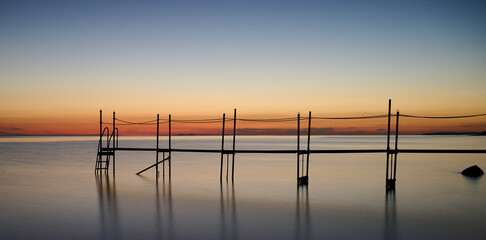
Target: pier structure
(108, 144)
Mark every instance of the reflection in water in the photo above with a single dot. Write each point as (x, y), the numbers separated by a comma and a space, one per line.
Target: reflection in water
(472, 182)
(228, 207)
(390, 226)
(107, 206)
(164, 227)
(303, 222)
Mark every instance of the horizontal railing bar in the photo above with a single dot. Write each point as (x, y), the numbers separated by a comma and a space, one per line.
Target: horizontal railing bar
(442, 150)
(304, 151)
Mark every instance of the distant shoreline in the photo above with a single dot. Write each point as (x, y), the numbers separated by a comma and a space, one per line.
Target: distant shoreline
(457, 133)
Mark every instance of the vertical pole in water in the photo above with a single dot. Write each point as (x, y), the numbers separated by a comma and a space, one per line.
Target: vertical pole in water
(234, 141)
(308, 146)
(298, 145)
(101, 122)
(222, 150)
(98, 163)
(396, 149)
(157, 151)
(388, 145)
(170, 147)
(113, 141)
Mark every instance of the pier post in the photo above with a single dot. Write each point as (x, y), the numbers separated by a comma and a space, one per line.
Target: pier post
(234, 141)
(396, 151)
(308, 146)
(390, 184)
(170, 146)
(303, 178)
(222, 151)
(113, 142)
(298, 147)
(98, 157)
(101, 123)
(157, 151)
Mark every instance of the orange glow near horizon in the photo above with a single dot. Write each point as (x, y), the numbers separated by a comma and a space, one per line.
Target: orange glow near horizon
(90, 126)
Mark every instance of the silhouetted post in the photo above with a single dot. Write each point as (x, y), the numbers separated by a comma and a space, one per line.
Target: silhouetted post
(98, 160)
(396, 149)
(222, 151)
(388, 182)
(113, 142)
(234, 141)
(298, 146)
(157, 152)
(308, 146)
(101, 123)
(170, 146)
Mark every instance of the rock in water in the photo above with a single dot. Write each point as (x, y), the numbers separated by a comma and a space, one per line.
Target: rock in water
(472, 171)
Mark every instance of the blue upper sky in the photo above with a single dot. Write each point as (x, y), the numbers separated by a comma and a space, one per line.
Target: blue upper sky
(311, 51)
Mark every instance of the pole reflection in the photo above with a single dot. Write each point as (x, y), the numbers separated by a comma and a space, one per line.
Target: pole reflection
(228, 212)
(108, 207)
(390, 226)
(165, 222)
(303, 225)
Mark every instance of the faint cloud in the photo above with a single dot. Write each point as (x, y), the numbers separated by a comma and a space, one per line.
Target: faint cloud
(473, 125)
(11, 131)
(11, 128)
(322, 131)
(266, 131)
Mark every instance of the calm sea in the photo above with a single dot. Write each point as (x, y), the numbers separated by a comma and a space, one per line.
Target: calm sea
(48, 190)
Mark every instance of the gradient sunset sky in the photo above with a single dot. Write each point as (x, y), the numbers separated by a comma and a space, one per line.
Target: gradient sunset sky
(62, 61)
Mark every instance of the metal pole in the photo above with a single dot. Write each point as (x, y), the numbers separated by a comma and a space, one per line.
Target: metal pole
(298, 144)
(388, 141)
(396, 149)
(234, 146)
(170, 146)
(157, 152)
(222, 150)
(308, 145)
(98, 160)
(113, 142)
(101, 122)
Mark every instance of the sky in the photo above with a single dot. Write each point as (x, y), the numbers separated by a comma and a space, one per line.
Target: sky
(63, 61)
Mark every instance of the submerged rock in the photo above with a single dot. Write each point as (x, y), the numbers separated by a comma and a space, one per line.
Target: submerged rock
(472, 171)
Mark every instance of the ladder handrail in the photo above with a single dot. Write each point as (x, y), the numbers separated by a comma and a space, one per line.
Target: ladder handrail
(110, 139)
(100, 146)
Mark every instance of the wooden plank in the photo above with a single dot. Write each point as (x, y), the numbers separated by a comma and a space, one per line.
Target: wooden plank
(304, 151)
(153, 165)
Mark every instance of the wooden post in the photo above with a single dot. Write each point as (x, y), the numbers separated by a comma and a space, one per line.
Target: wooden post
(113, 141)
(234, 147)
(101, 123)
(170, 147)
(388, 184)
(222, 151)
(298, 146)
(98, 157)
(308, 145)
(157, 152)
(396, 148)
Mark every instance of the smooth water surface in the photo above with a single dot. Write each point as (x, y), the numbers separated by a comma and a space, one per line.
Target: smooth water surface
(49, 191)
